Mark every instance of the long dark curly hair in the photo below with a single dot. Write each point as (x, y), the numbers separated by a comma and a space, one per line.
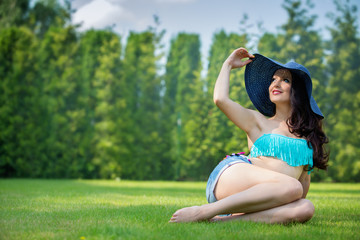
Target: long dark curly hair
(304, 123)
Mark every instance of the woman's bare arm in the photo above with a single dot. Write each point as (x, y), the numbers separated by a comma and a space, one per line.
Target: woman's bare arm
(244, 118)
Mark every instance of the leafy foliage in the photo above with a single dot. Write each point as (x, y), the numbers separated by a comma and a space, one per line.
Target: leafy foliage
(183, 113)
(344, 109)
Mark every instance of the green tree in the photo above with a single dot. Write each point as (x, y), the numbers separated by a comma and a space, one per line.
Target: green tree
(13, 12)
(58, 73)
(344, 95)
(19, 114)
(48, 13)
(40, 74)
(182, 109)
(39, 17)
(142, 112)
(100, 71)
(87, 59)
(105, 79)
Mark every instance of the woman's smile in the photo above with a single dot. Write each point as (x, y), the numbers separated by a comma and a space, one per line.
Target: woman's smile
(276, 92)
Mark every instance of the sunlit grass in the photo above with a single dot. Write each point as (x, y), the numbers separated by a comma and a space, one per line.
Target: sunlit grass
(85, 209)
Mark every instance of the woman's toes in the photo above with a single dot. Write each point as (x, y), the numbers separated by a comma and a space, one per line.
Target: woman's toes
(189, 214)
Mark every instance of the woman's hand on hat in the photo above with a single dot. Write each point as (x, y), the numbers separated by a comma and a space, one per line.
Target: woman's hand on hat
(235, 60)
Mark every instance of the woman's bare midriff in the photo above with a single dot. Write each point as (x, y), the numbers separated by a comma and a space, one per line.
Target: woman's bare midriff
(278, 165)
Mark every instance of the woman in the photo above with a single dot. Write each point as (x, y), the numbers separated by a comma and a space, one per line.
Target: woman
(285, 139)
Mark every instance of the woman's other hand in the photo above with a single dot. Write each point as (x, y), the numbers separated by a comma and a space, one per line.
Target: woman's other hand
(235, 60)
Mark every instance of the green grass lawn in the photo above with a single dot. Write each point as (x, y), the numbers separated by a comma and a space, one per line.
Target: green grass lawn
(85, 209)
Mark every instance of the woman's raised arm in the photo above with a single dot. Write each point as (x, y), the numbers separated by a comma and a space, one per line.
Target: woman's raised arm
(244, 118)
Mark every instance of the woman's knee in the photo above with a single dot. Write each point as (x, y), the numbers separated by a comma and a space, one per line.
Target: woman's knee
(303, 212)
(292, 190)
(307, 210)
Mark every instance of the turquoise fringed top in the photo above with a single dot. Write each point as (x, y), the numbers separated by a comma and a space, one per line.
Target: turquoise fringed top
(293, 151)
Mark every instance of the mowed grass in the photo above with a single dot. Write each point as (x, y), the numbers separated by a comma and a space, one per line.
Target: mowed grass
(89, 209)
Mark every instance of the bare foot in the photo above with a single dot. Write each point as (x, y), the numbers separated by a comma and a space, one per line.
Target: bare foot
(189, 214)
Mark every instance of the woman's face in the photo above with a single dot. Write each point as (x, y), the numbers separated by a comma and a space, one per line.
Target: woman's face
(280, 87)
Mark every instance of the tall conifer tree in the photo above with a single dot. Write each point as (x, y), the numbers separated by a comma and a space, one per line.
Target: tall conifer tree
(142, 106)
(20, 115)
(57, 54)
(105, 78)
(182, 109)
(344, 95)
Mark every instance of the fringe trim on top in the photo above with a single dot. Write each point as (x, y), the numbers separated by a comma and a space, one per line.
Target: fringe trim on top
(293, 151)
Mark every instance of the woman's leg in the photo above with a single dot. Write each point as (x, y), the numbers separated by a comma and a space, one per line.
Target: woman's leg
(301, 210)
(245, 188)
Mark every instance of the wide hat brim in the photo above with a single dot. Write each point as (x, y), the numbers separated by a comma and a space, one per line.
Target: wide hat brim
(258, 77)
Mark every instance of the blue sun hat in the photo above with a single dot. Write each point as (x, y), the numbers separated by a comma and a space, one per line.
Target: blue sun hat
(258, 76)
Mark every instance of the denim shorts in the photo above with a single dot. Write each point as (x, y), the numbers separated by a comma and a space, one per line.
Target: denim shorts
(219, 169)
